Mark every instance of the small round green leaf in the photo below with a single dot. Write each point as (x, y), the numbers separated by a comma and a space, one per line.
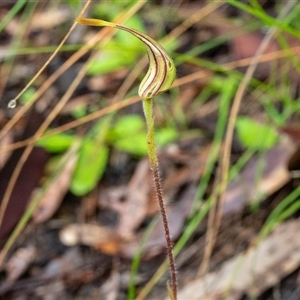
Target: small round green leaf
(254, 135)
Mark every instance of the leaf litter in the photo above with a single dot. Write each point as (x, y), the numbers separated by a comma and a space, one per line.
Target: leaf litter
(253, 271)
(112, 225)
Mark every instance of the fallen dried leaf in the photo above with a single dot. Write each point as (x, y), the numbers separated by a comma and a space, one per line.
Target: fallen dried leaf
(176, 216)
(110, 289)
(253, 271)
(99, 237)
(56, 188)
(111, 198)
(19, 263)
(246, 45)
(69, 261)
(135, 205)
(292, 132)
(245, 189)
(49, 18)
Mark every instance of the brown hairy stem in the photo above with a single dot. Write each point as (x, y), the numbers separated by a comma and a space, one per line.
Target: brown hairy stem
(158, 189)
(148, 111)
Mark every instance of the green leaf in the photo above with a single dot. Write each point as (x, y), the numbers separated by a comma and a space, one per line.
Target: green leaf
(128, 39)
(90, 167)
(27, 96)
(92, 160)
(254, 135)
(79, 111)
(107, 9)
(135, 144)
(165, 136)
(74, 3)
(126, 126)
(57, 143)
(111, 58)
(129, 135)
(109, 61)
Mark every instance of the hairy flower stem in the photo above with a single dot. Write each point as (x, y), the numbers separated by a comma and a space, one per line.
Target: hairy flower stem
(159, 78)
(148, 111)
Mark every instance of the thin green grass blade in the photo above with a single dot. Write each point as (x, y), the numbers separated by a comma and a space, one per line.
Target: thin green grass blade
(137, 259)
(12, 12)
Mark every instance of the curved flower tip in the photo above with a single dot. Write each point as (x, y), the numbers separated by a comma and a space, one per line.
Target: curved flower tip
(161, 72)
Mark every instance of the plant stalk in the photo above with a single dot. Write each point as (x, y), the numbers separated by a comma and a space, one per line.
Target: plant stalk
(148, 111)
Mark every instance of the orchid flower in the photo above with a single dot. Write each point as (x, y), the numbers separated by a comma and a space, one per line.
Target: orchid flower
(159, 78)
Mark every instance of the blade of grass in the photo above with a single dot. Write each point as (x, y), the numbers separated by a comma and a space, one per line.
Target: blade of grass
(225, 157)
(11, 13)
(267, 19)
(283, 210)
(226, 96)
(131, 294)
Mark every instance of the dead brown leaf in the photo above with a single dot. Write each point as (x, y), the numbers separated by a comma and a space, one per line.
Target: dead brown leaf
(42, 20)
(177, 215)
(19, 263)
(99, 237)
(55, 192)
(245, 189)
(253, 271)
(111, 197)
(49, 18)
(110, 289)
(135, 205)
(246, 45)
(70, 260)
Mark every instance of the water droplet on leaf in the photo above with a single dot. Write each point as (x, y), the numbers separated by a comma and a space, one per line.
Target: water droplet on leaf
(12, 103)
